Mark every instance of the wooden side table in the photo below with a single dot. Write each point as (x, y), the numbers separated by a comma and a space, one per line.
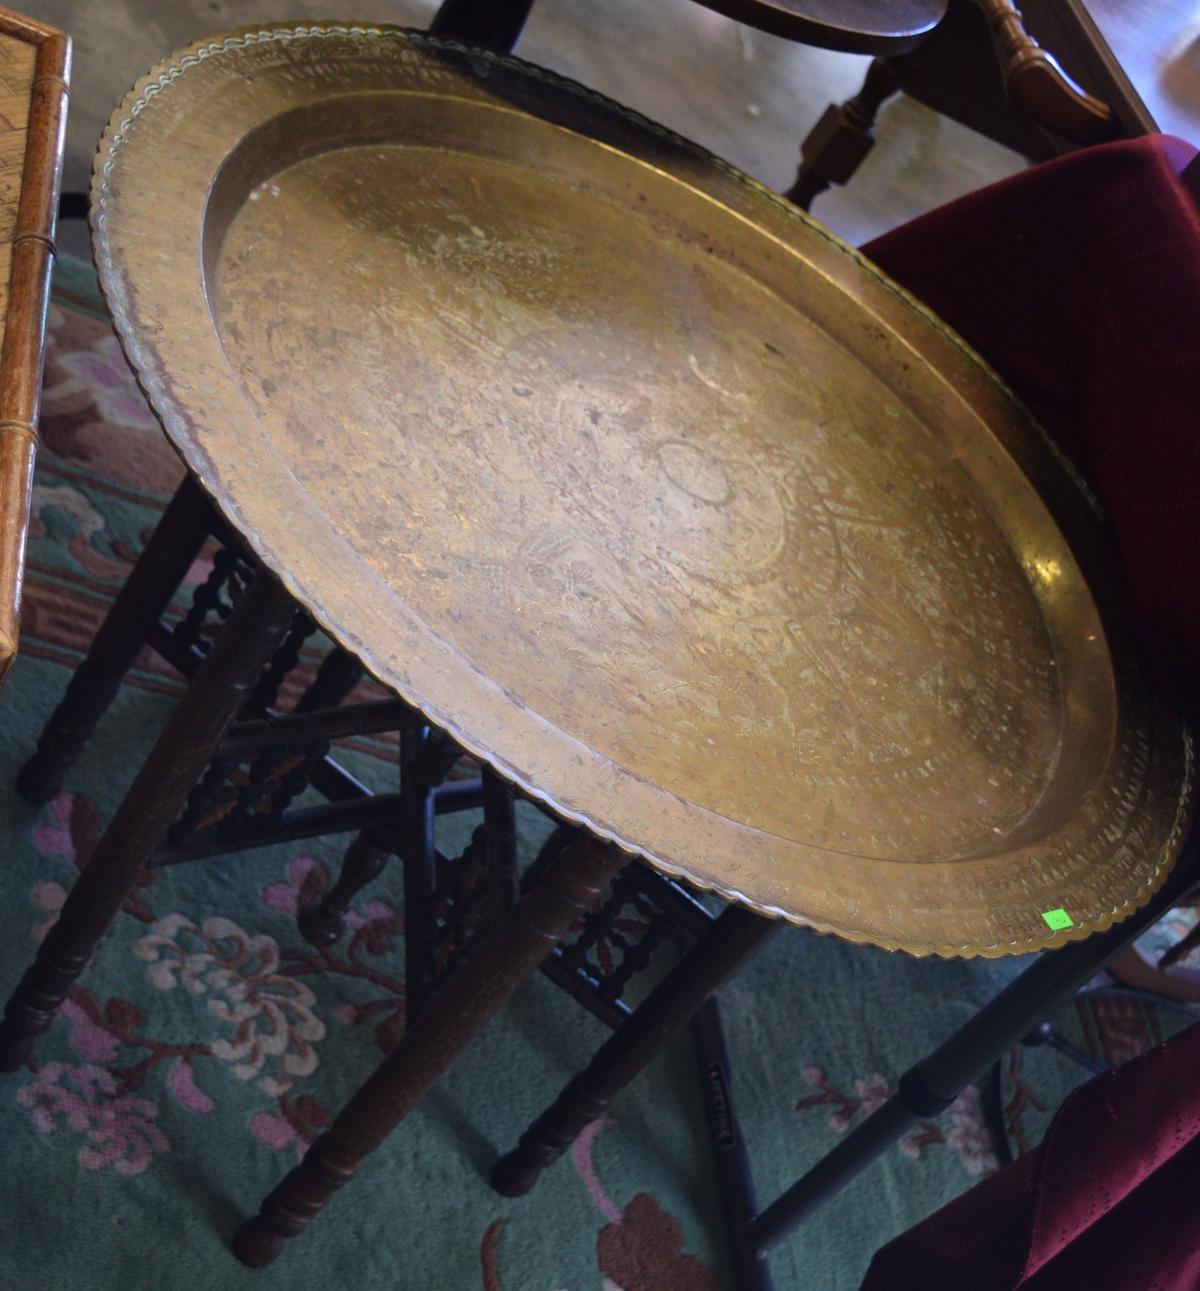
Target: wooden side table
(35, 65)
(643, 488)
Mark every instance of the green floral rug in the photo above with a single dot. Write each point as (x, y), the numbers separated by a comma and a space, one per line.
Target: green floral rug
(208, 1044)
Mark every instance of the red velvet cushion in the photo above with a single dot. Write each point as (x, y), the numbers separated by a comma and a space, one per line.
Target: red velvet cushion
(1080, 281)
(1107, 1202)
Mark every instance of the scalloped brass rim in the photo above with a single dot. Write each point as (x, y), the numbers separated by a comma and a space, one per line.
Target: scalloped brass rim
(150, 378)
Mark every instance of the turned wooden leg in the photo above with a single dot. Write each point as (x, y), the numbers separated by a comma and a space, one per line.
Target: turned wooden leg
(336, 679)
(323, 922)
(497, 23)
(500, 833)
(562, 837)
(468, 1001)
(836, 146)
(668, 1008)
(152, 582)
(425, 761)
(211, 702)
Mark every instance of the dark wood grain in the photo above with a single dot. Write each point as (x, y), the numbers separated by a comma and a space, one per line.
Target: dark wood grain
(851, 26)
(139, 605)
(727, 944)
(1037, 85)
(838, 144)
(324, 921)
(570, 887)
(180, 755)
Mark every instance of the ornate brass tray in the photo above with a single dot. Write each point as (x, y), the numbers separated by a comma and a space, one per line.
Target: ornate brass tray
(640, 483)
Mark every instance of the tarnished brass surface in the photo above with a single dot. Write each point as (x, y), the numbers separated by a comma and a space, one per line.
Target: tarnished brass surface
(640, 483)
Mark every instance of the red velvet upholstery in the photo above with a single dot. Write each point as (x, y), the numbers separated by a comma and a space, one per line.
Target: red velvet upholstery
(1107, 1202)
(1080, 281)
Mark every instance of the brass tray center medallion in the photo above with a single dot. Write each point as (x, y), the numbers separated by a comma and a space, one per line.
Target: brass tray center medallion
(730, 535)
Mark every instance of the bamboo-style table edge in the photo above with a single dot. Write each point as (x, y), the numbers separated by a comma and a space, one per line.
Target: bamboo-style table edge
(33, 254)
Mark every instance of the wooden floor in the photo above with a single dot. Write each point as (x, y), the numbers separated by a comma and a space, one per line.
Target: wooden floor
(747, 96)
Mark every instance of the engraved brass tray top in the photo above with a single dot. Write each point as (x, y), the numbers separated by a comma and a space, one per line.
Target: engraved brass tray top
(640, 483)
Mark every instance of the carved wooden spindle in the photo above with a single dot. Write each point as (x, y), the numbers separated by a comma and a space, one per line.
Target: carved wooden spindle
(637, 956)
(1036, 83)
(284, 661)
(700, 973)
(468, 1001)
(211, 795)
(336, 678)
(182, 751)
(324, 922)
(208, 599)
(167, 557)
(837, 145)
(460, 911)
